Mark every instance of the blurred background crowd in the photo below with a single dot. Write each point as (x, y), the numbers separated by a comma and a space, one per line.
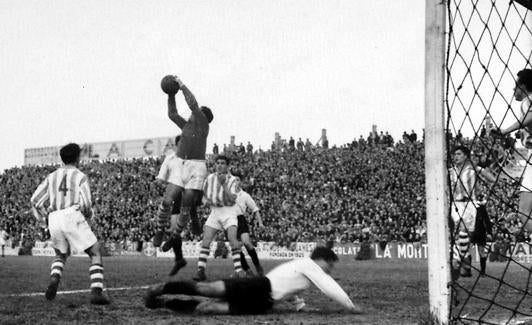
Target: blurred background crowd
(372, 189)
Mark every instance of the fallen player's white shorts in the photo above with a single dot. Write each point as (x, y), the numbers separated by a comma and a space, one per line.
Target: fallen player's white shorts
(222, 218)
(68, 228)
(464, 214)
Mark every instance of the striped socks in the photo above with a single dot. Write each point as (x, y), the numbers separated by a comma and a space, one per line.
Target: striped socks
(243, 262)
(202, 260)
(463, 248)
(235, 252)
(204, 253)
(163, 217)
(96, 276)
(57, 267)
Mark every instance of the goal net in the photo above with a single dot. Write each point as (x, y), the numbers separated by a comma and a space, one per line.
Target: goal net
(487, 42)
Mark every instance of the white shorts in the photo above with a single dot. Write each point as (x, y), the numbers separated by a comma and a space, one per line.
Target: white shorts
(169, 171)
(188, 174)
(68, 228)
(222, 218)
(2, 242)
(464, 214)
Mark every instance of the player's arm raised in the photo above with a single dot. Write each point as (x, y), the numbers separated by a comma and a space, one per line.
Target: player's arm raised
(524, 122)
(38, 199)
(190, 99)
(173, 115)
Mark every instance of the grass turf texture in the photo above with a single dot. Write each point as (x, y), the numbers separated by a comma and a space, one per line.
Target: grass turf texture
(390, 292)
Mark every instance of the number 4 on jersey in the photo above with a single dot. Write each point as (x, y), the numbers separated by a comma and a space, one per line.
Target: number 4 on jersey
(62, 185)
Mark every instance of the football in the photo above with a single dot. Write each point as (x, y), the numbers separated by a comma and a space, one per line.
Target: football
(169, 85)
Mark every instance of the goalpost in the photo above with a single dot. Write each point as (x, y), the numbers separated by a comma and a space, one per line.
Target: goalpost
(435, 163)
(473, 51)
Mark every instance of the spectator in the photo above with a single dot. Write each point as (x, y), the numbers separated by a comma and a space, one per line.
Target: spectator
(351, 193)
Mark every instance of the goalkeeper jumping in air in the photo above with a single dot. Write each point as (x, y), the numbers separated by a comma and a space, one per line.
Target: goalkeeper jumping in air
(187, 174)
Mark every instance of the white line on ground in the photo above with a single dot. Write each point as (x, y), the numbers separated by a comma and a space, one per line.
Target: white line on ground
(68, 292)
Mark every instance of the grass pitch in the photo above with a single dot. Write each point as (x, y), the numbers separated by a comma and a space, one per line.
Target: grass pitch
(390, 292)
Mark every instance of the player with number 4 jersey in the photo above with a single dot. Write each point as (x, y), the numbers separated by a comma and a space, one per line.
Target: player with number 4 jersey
(62, 204)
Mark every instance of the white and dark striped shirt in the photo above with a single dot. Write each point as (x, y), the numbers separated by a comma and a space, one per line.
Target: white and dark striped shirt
(463, 181)
(64, 188)
(214, 194)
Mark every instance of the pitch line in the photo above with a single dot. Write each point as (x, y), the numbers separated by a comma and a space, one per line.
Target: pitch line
(69, 292)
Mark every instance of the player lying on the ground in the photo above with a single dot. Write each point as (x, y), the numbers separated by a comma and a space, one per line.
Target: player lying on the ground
(67, 195)
(255, 295)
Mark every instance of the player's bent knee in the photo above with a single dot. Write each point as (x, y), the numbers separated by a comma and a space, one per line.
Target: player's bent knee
(207, 238)
(235, 243)
(94, 250)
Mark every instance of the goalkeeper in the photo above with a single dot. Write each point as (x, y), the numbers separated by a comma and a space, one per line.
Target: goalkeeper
(257, 295)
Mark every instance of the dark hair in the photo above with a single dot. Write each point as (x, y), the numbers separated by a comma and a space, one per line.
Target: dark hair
(176, 141)
(324, 253)
(70, 153)
(207, 112)
(464, 149)
(524, 77)
(237, 173)
(223, 157)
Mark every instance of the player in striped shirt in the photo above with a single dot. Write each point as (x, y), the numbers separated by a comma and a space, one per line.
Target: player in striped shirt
(219, 193)
(62, 203)
(245, 203)
(463, 179)
(256, 295)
